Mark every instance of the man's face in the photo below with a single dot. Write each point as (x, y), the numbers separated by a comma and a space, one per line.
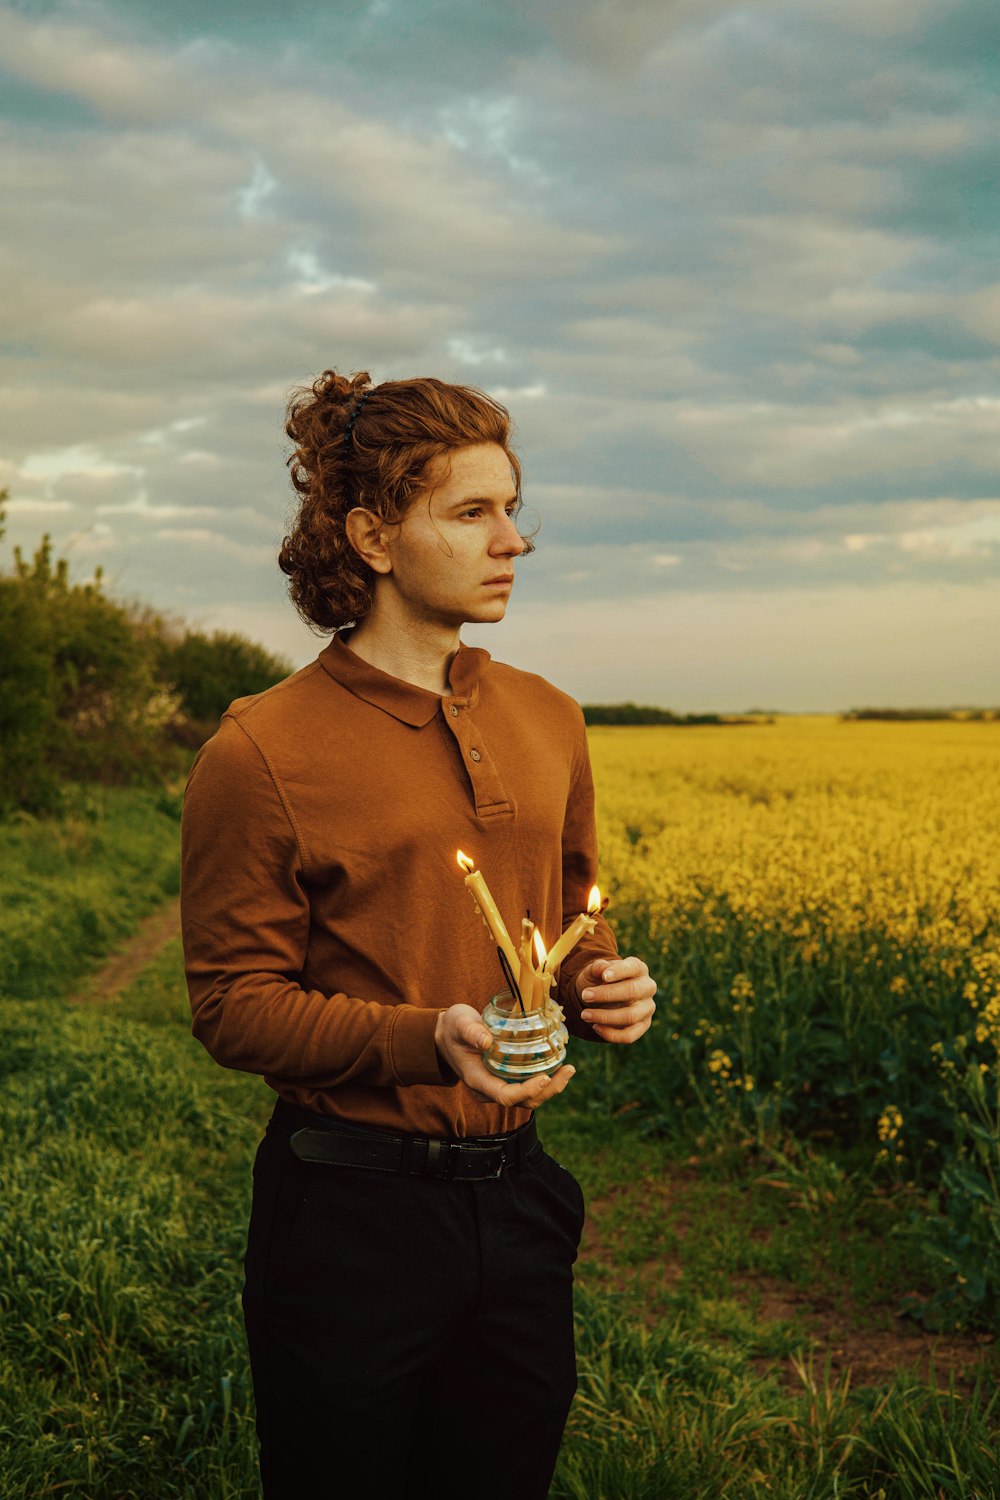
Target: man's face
(453, 553)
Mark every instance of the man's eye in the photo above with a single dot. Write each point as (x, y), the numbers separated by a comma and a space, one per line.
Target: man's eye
(476, 510)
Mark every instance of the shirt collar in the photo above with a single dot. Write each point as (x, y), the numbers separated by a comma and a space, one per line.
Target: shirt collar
(403, 700)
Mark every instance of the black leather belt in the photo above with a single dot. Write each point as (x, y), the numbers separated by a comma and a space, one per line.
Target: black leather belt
(472, 1159)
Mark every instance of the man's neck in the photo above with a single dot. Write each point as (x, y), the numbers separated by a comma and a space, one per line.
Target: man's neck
(413, 651)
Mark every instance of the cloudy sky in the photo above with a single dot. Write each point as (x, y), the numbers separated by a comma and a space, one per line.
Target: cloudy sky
(733, 267)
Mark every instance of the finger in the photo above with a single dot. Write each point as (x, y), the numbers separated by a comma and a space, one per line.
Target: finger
(628, 1015)
(545, 1086)
(477, 1036)
(636, 992)
(629, 1034)
(619, 1014)
(616, 994)
(623, 968)
(591, 973)
(536, 1090)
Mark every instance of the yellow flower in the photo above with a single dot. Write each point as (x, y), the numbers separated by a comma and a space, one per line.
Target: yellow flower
(890, 1122)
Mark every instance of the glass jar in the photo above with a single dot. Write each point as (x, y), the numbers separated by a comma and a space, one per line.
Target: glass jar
(524, 1042)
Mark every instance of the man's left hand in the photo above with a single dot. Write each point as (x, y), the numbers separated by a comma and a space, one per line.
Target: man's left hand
(617, 997)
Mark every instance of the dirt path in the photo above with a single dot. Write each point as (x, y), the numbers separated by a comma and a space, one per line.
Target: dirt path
(155, 931)
(833, 1328)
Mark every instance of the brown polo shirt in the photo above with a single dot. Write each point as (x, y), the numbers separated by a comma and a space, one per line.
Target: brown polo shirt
(326, 921)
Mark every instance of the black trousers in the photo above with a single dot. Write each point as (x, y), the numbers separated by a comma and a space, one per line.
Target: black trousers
(409, 1336)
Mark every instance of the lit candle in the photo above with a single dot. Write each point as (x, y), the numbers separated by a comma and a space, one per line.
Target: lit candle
(488, 908)
(542, 980)
(585, 923)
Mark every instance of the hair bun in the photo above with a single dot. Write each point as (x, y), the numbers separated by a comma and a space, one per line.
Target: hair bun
(339, 389)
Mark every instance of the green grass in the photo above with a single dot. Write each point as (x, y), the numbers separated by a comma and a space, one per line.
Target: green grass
(125, 1198)
(124, 1202)
(74, 886)
(712, 1268)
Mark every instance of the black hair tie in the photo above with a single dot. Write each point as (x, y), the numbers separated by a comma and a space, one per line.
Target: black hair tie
(355, 414)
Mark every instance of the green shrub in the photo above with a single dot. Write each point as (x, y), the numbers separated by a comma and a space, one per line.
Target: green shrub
(96, 690)
(80, 698)
(208, 671)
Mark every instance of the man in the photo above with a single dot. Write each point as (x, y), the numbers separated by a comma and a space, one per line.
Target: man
(408, 1269)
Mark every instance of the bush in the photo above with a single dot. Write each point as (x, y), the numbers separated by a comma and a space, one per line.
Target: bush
(94, 690)
(208, 671)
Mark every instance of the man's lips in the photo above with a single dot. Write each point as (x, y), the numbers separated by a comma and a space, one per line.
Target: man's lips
(506, 578)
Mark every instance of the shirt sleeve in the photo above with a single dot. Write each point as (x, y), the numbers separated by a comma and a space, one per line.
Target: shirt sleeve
(579, 874)
(245, 920)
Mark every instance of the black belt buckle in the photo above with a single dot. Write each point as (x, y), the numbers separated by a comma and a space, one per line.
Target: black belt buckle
(498, 1152)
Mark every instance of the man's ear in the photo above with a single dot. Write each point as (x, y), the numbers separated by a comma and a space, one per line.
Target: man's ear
(366, 534)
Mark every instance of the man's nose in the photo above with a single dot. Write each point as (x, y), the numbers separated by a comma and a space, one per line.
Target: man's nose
(508, 540)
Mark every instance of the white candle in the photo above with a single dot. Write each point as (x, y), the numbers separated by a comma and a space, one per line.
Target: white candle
(526, 974)
(584, 923)
(488, 907)
(542, 980)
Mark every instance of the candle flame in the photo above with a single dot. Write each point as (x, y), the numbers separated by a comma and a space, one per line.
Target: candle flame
(468, 865)
(540, 947)
(594, 901)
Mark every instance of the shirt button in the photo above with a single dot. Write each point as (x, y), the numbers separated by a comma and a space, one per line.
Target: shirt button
(453, 711)
(475, 755)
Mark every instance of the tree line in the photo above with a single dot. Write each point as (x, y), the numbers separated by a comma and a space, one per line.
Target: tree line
(637, 713)
(908, 715)
(93, 689)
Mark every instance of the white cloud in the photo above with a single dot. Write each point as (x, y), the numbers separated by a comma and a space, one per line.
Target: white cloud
(812, 267)
(469, 351)
(966, 537)
(764, 442)
(313, 278)
(140, 505)
(257, 555)
(251, 198)
(78, 459)
(36, 507)
(122, 80)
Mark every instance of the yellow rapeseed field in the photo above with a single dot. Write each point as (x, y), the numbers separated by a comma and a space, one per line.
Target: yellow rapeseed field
(814, 828)
(820, 902)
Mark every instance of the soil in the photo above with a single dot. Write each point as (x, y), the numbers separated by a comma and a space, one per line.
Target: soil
(869, 1356)
(154, 932)
(831, 1322)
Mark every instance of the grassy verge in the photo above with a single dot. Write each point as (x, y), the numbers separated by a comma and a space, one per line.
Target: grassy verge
(124, 1374)
(73, 887)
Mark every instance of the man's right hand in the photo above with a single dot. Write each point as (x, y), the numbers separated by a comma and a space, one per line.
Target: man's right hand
(461, 1037)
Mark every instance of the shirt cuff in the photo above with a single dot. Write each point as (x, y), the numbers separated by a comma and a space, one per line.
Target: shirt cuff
(413, 1055)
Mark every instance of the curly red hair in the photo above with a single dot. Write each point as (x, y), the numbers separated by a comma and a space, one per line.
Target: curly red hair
(374, 455)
